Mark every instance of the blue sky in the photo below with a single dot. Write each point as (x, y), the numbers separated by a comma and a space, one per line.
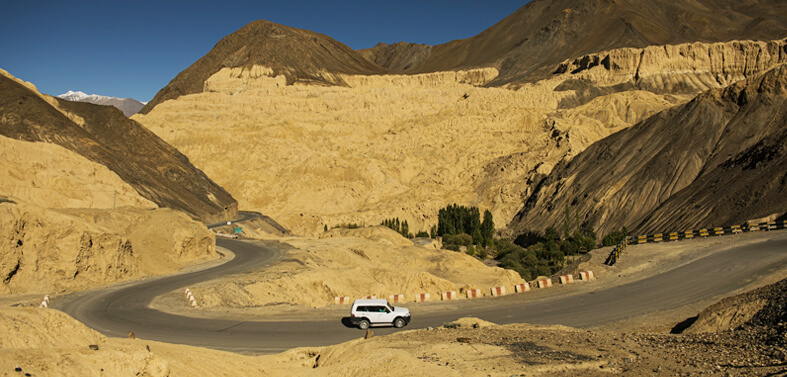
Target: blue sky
(134, 48)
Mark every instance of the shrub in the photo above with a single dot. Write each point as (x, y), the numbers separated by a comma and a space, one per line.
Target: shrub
(615, 237)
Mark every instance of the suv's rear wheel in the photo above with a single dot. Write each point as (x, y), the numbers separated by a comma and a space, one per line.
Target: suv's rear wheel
(363, 324)
(398, 323)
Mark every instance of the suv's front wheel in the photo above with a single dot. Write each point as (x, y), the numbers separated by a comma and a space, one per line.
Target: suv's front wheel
(363, 324)
(398, 323)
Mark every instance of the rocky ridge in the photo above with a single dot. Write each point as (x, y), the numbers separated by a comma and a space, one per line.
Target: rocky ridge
(398, 57)
(527, 45)
(524, 47)
(722, 156)
(103, 135)
(688, 68)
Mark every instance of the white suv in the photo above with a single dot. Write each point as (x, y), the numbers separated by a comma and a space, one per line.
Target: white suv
(378, 312)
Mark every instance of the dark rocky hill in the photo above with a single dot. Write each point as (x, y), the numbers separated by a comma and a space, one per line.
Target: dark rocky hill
(530, 43)
(301, 55)
(526, 46)
(104, 135)
(399, 57)
(720, 159)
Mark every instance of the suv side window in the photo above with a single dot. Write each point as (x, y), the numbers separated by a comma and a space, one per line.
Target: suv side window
(362, 309)
(378, 309)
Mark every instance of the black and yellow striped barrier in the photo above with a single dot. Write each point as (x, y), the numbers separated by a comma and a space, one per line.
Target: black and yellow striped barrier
(617, 251)
(690, 234)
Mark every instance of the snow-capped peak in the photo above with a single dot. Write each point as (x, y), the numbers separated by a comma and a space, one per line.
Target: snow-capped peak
(81, 96)
(129, 106)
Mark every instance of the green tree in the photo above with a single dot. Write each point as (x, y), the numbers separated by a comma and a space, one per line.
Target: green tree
(487, 228)
(470, 250)
(615, 237)
(550, 234)
(478, 239)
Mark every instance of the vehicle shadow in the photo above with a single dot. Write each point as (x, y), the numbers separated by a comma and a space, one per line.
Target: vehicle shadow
(346, 322)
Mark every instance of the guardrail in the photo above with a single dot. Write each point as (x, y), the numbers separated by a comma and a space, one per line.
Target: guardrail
(473, 293)
(691, 234)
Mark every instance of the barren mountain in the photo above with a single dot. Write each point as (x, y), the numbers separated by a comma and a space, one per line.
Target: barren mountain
(102, 134)
(374, 144)
(300, 55)
(406, 145)
(720, 159)
(128, 106)
(528, 45)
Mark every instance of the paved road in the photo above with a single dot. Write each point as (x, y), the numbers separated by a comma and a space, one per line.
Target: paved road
(242, 216)
(116, 311)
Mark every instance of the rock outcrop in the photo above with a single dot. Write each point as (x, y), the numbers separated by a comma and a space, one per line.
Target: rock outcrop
(688, 68)
(48, 251)
(718, 160)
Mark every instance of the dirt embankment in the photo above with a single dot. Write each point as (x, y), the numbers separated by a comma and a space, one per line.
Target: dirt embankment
(50, 251)
(359, 262)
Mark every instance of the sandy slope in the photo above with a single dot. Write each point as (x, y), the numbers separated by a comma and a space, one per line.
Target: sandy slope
(55, 177)
(103, 135)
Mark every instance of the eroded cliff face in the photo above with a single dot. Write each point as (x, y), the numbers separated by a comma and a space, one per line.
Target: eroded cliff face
(386, 146)
(688, 68)
(48, 251)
